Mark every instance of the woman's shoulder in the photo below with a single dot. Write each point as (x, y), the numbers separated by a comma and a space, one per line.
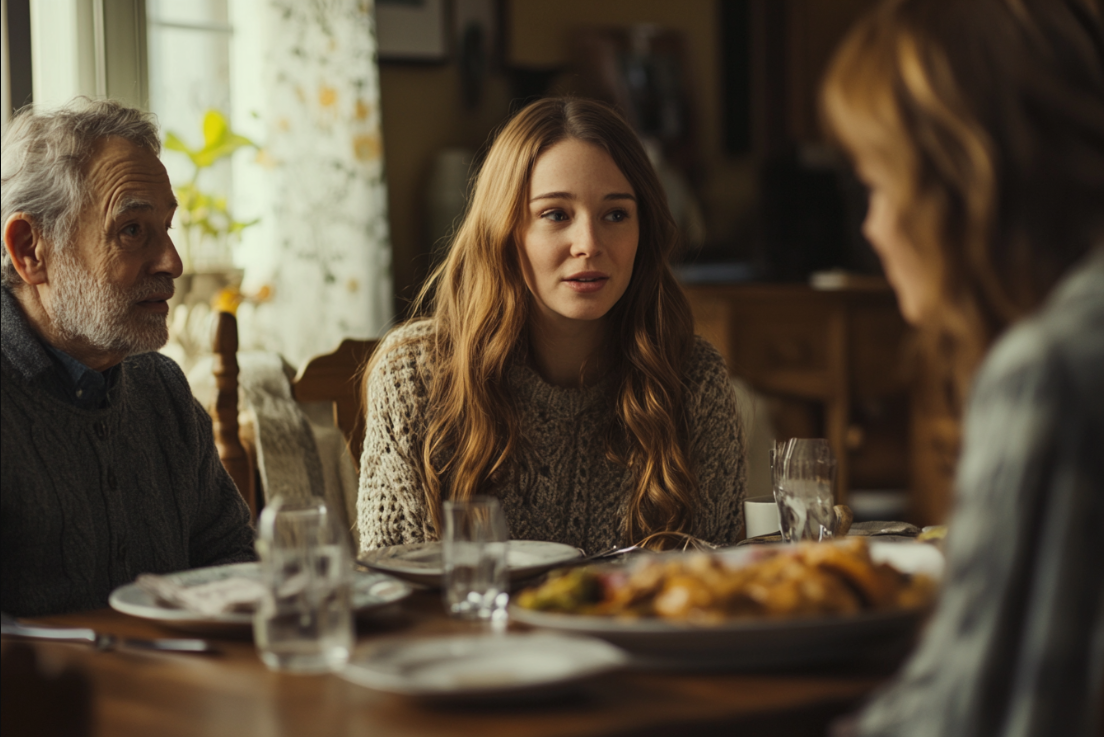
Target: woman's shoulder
(405, 353)
(1062, 344)
(705, 366)
(410, 339)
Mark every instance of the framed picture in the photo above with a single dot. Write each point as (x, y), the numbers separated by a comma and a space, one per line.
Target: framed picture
(412, 30)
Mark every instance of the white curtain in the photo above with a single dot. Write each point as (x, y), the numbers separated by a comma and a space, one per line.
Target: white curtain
(321, 251)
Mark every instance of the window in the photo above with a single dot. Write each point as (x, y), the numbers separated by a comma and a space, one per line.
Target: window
(300, 80)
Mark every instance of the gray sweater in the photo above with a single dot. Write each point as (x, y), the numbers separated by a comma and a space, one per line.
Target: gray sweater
(565, 489)
(1016, 646)
(90, 498)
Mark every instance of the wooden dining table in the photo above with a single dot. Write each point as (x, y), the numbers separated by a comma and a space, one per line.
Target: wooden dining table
(129, 693)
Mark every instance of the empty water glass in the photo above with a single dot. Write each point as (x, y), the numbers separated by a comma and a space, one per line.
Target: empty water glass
(476, 581)
(304, 622)
(803, 472)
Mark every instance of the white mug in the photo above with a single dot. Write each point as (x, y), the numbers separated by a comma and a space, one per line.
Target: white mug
(761, 516)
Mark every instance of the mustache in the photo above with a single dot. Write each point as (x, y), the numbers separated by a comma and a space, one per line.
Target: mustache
(161, 284)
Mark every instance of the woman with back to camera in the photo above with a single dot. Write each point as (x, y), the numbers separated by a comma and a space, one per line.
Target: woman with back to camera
(556, 368)
(978, 126)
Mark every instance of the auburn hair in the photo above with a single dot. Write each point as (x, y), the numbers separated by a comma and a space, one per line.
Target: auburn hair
(991, 113)
(478, 306)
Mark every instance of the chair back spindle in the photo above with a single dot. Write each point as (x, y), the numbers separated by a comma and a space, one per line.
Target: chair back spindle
(230, 449)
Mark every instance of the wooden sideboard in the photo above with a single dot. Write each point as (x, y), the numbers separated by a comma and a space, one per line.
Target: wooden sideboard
(848, 353)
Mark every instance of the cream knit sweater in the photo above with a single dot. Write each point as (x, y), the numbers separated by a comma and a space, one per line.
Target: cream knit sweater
(565, 489)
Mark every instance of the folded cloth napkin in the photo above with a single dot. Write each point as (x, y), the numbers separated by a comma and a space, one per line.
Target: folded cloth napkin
(235, 594)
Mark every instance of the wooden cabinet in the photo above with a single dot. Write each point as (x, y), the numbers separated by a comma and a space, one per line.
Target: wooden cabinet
(846, 352)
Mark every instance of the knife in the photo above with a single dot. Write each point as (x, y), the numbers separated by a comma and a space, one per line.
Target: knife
(11, 627)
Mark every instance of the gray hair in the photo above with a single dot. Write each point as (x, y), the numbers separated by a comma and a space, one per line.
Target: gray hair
(44, 158)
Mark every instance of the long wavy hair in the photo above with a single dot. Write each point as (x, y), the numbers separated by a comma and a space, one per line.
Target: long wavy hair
(479, 306)
(991, 113)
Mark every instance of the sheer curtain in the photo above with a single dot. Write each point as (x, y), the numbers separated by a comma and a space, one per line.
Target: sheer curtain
(299, 79)
(306, 85)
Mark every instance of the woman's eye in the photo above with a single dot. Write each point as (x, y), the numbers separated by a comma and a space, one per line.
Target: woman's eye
(617, 216)
(556, 216)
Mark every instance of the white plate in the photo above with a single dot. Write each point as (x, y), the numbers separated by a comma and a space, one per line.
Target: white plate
(371, 591)
(766, 642)
(421, 562)
(477, 667)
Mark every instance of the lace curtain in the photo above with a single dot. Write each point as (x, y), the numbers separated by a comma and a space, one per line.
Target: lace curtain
(320, 256)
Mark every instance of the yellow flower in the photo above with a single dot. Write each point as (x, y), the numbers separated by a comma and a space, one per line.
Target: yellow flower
(327, 96)
(227, 300)
(362, 110)
(367, 147)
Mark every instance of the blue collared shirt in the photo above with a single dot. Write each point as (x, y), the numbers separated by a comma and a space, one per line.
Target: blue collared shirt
(84, 387)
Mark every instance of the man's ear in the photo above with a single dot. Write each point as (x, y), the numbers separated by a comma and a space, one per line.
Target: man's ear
(26, 247)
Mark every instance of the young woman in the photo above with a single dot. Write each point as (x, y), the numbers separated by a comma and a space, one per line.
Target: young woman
(557, 368)
(978, 126)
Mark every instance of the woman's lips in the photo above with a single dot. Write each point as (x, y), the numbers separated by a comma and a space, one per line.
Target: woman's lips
(587, 282)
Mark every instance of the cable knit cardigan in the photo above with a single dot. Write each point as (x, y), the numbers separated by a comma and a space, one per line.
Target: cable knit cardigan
(90, 498)
(564, 489)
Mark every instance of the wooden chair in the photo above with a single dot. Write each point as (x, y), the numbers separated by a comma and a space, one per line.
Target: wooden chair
(232, 453)
(335, 378)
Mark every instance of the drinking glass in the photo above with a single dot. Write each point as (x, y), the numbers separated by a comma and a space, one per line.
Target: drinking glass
(802, 474)
(304, 622)
(476, 581)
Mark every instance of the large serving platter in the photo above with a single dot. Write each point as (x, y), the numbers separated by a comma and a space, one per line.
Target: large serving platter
(755, 643)
(478, 667)
(422, 562)
(371, 592)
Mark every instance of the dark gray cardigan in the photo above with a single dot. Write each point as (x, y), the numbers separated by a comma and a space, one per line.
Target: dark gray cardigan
(90, 498)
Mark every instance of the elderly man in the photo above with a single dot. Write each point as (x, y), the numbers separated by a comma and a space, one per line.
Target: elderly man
(109, 467)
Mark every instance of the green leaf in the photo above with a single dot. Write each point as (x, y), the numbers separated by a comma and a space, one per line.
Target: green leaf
(237, 227)
(173, 143)
(231, 143)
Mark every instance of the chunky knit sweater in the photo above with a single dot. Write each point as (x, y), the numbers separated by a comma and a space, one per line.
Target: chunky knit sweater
(91, 498)
(564, 489)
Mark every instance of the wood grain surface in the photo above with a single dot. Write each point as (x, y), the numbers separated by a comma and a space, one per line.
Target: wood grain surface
(233, 694)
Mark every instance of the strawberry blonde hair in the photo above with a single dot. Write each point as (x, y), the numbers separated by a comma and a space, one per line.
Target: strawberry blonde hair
(991, 113)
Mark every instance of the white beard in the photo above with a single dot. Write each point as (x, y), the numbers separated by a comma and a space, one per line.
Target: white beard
(88, 309)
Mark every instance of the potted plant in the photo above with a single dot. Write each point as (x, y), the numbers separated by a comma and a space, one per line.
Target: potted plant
(208, 233)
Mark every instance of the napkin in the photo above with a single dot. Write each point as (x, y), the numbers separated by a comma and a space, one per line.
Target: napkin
(211, 599)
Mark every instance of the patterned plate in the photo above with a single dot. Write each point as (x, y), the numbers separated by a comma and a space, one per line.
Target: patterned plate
(371, 592)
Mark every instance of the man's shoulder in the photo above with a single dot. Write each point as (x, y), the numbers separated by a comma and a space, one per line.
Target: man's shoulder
(23, 353)
(155, 373)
